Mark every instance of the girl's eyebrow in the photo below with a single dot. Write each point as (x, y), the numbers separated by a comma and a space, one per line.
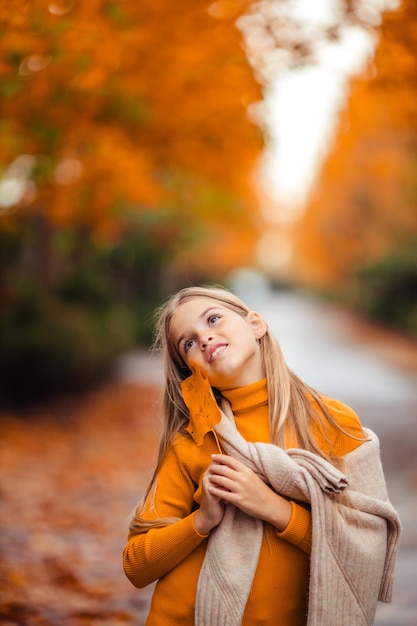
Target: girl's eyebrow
(200, 317)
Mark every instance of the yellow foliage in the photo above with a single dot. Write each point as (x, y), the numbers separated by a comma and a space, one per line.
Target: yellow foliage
(113, 99)
(365, 202)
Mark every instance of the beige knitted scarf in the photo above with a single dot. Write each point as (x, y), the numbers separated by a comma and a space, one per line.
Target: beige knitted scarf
(353, 543)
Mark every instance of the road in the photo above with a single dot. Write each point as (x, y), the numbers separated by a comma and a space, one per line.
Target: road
(369, 368)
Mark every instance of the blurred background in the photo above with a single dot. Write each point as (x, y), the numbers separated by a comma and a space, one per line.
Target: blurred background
(145, 147)
(269, 146)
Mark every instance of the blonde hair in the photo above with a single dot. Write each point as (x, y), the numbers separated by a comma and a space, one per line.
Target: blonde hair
(293, 405)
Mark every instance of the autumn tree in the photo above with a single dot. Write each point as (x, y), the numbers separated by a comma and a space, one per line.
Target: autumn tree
(364, 207)
(125, 158)
(126, 161)
(112, 107)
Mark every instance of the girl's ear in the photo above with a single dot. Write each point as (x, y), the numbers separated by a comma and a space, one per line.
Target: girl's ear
(258, 324)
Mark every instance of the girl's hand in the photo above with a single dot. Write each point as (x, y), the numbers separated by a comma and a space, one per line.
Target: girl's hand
(232, 481)
(211, 510)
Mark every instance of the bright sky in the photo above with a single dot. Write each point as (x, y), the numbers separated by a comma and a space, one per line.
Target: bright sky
(302, 108)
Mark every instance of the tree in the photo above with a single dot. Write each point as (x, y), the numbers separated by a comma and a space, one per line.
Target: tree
(125, 160)
(111, 107)
(364, 206)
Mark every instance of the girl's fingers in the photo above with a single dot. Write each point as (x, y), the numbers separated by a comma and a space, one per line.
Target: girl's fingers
(221, 482)
(227, 461)
(233, 480)
(222, 471)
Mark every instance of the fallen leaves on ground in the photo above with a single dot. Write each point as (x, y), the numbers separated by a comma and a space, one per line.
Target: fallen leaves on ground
(70, 477)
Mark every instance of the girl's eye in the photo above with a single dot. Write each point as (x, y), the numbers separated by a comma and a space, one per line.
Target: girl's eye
(213, 318)
(188, 343)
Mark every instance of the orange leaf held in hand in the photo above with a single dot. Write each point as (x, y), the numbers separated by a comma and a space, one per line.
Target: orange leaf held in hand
(199, 398)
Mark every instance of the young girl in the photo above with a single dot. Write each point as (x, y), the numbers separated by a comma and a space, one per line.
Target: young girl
(268, 503)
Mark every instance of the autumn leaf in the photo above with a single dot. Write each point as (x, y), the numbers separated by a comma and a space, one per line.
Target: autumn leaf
(199, 398)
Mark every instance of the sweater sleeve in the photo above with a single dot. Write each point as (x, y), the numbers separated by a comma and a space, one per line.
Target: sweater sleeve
(150, 555)
(299, 529)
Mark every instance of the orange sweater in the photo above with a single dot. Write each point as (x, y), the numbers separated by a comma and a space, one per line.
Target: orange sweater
(173, 555)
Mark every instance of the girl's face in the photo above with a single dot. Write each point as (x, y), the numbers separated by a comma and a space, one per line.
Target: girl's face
(224, 343)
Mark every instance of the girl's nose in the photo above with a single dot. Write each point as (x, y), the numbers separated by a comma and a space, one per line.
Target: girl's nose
(205, 341)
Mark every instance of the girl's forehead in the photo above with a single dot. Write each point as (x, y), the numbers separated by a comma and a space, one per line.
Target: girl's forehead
(193, 310)
(196, 306)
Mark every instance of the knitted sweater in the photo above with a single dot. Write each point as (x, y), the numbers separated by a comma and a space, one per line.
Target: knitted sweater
(174, 555)
(354, 538)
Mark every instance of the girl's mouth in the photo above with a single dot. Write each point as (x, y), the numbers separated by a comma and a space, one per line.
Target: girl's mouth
(215, 352)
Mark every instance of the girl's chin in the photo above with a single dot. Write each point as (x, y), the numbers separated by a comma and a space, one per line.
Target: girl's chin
(224, 383)
(225, 377)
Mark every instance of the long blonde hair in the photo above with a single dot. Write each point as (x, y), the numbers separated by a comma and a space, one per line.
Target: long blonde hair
(293, 405)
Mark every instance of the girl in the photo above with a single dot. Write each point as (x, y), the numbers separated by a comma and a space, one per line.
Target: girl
(248, 518)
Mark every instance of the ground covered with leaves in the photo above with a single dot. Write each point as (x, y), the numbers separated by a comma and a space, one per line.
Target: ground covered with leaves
(70, 476)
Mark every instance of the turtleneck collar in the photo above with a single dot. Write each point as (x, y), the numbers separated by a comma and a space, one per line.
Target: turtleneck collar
(247, 398)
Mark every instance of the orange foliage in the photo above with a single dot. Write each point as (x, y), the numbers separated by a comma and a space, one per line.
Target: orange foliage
(128, 105)
(365, 202)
